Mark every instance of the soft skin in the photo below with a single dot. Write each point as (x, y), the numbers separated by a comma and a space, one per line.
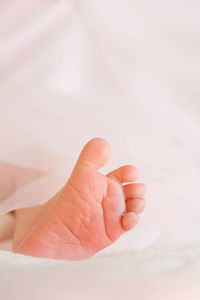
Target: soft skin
(88, 214)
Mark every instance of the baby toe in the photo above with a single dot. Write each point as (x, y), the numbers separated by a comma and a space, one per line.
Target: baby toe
(134, 190)
(135, 205)
(124, 174)
(129, 221)
(95, 153)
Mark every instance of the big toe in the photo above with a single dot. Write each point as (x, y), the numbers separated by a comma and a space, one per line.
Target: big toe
(95, 153)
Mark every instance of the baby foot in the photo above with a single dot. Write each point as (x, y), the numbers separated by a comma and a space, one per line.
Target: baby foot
(89, 213)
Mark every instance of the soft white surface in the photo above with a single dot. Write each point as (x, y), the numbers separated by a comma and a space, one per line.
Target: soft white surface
(127, 71)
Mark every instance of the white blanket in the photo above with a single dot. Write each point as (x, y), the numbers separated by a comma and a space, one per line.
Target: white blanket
(126, 71)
